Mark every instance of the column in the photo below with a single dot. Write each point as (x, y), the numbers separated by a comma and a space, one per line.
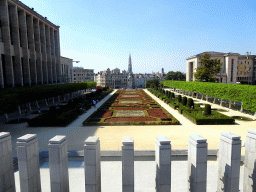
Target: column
(229, 162)
(24, 45)
(92, 164)
(28, 161)
(18, 77)
(38, 51)
(1, 73)
(54, 74)
(57, 54)
(7, 183)
(31, 45)
(249, 161)
(163, 164)
(197, 163)
(44, 54)
(9, 75)
(128, 164)
(58, 163)
(49, 57)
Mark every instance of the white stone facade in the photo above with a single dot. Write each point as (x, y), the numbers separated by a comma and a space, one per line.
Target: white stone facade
(80, 74)
(66, 69)
(29, 47)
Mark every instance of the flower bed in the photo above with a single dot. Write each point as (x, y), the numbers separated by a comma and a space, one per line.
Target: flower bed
(143, 112)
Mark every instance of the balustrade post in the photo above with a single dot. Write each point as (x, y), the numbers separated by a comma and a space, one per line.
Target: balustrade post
(230, 102)
(28, 162)
(7, 183)
(128, 164)
(163, 164)
(221, 102)
(197, 95)
(197, 163)
(59, 98)
(242, 109)
(19, 109)
(92, 164)
(229, 162)
(249, 161)
(53, 100)
(214, 100)
(37, 104)
(207, 98)
(58, 164)
(46, 102)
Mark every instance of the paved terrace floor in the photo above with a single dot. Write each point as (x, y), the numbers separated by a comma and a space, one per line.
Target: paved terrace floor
(144, 136)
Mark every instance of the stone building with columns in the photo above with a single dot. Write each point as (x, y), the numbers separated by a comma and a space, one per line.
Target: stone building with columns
(228, 73)
(66, 69)
(29, 47)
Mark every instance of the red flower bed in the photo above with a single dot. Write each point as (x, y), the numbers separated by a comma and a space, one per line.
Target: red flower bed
(107, 114)
(157, 113)
(130, 108)
(130, 119)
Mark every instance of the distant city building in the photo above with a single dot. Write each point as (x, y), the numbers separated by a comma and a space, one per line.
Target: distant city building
(235, 68)
(80, 74)
(66, 66)
(29, 47)
(112, 78)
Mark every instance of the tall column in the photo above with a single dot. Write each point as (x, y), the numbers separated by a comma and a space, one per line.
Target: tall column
(163, 164)
(53, 56)
(31, 45)
(229, 162)
(57, 54)
(44, 54)
(128, 164)
(249, 161)
(24, 45)
(8, 73)
(18, 77)
(1, 73)
(49, 55)
(28, 162)
(58, 160)
(197, 163)
(92, 164)
(7, 183)
(38, 51)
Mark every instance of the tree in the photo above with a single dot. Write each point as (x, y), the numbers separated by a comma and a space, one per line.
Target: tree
(152, 81)
(209, 68)
(171, 75)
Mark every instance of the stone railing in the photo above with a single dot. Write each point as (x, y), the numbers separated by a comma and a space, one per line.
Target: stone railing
(229, 157)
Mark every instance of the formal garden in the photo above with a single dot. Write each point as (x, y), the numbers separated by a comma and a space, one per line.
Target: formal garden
(195, 112)
(131, 107)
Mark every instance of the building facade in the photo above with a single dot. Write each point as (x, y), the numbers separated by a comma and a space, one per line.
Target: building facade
(80, 74)
(228, 73)
(111, 78)
(235, 68)
(66, 69)
(29, 47)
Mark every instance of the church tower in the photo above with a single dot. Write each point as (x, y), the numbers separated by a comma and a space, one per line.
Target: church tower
(130, 77)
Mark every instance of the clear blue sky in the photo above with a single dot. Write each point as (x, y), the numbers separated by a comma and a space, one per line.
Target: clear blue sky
(159, 34)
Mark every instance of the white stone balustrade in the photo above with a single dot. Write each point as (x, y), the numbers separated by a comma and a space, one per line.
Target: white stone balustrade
(197, 163)
(58, 160)
(229, 159)
(92, 164)
(128, 164)
(7, 183)
(163, 164)
(28, 161)
(250, 161)
(229, 162)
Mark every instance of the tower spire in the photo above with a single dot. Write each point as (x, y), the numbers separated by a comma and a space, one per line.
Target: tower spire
(130, 64)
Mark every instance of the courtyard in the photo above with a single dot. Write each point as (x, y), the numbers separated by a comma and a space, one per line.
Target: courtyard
(144, 136)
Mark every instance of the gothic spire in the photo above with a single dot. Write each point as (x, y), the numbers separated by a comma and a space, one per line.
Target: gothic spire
(130, 64)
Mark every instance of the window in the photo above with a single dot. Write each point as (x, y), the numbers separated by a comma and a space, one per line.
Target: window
(74, 78)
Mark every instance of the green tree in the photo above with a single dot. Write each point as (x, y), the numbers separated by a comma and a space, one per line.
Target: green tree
(209, 68)
(152, 82)
(171, 75)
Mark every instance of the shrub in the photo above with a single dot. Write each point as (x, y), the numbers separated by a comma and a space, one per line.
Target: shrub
(190, 103)
(184, 101)
(179, 98)
(207, 109)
